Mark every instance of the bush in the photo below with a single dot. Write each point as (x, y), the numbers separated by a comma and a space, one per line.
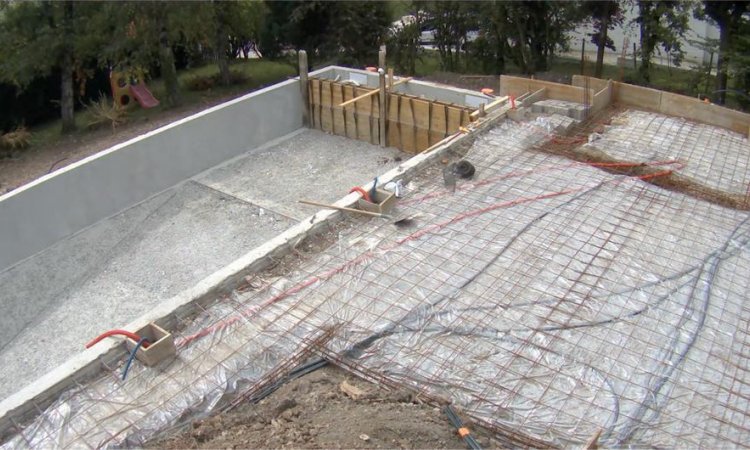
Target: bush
(206, 82)
(17, 139)
(104, 111)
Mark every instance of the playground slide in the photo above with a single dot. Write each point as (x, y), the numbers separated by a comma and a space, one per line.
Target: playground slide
(143, 96)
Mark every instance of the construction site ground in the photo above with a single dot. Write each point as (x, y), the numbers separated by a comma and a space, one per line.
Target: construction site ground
(328, 408)
(563, 293)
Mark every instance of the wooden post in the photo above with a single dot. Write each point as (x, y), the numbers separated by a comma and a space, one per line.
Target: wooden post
(390, 79)
(381, 57)
(481, 110)
(303, 87)
(583, 49)
(381, 119)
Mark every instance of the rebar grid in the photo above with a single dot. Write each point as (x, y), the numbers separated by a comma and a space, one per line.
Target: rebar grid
(717, 157)
(546, 299)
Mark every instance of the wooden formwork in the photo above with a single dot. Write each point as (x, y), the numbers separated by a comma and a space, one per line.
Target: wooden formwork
(413, 124)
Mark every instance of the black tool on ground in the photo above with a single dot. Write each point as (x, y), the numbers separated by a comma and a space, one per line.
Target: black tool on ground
(462, 169)
(462, 430)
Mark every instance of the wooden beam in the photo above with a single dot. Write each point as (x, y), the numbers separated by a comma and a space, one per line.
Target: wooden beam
(373, 92)
(303, 87)
(490, 106)
(381, 108)
(342, 208)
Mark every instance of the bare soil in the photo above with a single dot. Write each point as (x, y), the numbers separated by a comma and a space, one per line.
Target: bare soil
(314, 411)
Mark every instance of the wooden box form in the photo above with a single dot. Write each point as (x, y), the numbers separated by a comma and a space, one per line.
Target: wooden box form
(161, 345)
(383, 202)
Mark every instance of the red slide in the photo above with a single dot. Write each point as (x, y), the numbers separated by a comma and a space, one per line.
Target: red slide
(143, 96)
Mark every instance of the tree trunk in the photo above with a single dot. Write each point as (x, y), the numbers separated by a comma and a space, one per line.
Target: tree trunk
(67, 103)
(168, 70)
(67, 110)
(721, 64)
(603, 26)
(646, 47)
(220, 43)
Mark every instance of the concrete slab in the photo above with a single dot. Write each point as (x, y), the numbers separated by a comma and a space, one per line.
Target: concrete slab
(311, 165)
(123, 266)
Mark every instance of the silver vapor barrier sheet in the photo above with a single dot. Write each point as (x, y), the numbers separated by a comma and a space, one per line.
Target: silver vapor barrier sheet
(546, 299)
(715, 157)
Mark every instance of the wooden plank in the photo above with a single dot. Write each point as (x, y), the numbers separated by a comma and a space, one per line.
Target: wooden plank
(438, 123)
(350, 114)
(316, 103)
(362, 113)
(382, 98)
(408, 127)
(421, 110)
(374, 114)
(339, 120)
(327, 112)
(394, 133)
(454, 119)
(465, 119)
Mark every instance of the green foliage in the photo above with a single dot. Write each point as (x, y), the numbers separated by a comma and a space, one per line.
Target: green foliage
(206, 82)
(345, 32)
(663, 24)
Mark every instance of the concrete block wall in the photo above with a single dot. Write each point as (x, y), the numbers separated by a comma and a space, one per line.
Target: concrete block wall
(58, 205)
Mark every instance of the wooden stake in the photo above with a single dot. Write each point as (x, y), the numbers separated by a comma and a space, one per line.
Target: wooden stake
(381, 118)
(381, 57)
(342, 208)
(303, 86)
(371, 93)
(390, 79)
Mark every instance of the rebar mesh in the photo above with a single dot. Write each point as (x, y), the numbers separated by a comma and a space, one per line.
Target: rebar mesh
(547, 299)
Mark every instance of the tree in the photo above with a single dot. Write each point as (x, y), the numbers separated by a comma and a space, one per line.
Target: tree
(663, 23)
(451, 21)
(403, 43)
(350, 32)
(40, 39)
(142, 33)
(728, 16)
(605, 16)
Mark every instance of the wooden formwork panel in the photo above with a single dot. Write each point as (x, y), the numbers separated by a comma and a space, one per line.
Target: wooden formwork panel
(412, 124)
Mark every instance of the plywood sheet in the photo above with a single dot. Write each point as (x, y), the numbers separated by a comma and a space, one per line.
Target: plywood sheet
(349, 115)
(422, 119)
(408, 126)
(362, 111)
(339, 119)
(326, 116)
(394, 125)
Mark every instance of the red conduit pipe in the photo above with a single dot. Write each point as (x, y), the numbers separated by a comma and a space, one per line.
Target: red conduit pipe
(362, 192)
(109, 333)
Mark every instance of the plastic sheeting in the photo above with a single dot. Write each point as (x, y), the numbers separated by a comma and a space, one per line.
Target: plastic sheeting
(545, 298)
(716, 157)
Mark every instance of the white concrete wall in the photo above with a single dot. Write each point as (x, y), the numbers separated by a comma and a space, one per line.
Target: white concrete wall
(58, 205)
